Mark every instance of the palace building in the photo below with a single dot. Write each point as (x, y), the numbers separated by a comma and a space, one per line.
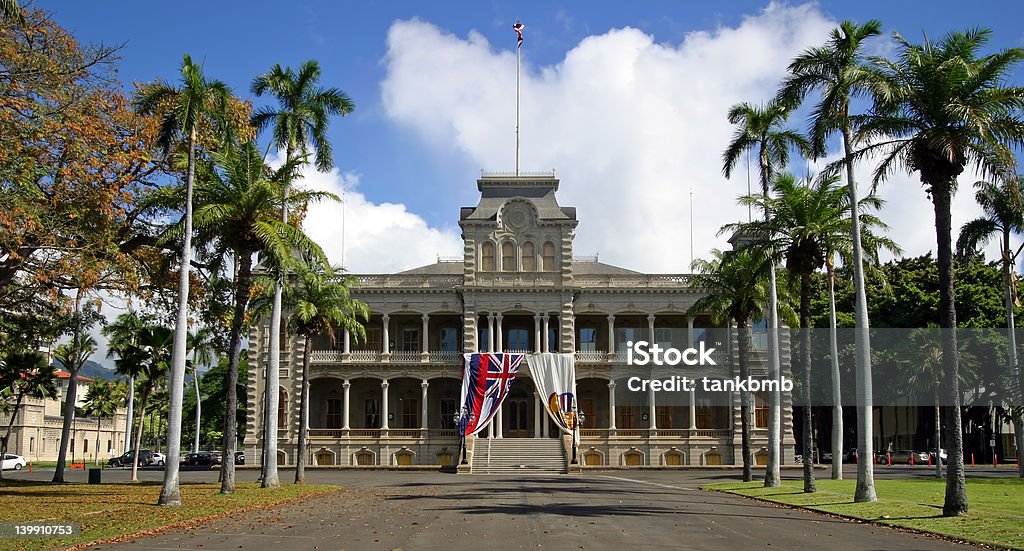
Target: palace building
(390, 400)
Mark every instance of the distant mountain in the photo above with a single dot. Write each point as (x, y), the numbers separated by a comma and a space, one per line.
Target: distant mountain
(94, 370)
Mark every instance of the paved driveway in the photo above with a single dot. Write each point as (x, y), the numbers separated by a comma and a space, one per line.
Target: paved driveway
(614, 510)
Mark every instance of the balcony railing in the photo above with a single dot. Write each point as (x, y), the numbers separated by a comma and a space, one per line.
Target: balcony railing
(411, 281)
(591, 356)
(633, 280)
(446, 356)
(373, 356)
(406, 357)
(336, 434)
(654, 433)
(325, 356)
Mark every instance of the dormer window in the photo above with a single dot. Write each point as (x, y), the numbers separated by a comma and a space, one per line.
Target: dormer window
(508, 257)
(549, 257)
(487, 257)
(529, 258)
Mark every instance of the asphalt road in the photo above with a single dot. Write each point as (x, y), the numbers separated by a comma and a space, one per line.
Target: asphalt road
(610, 510)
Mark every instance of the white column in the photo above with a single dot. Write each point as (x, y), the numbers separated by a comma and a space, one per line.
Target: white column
(544, 427)
(346, 343)
(384, 405)
(650, 329)
(500, 347)
(611, 333)
(490, 429)
(424, 352)
(611, 405)
(345, 404)
(547, 334)
(537, 413)
(387, 340)
(423, 402)
(689, 331)
(490, 332)
(536, 335)
(693, 409)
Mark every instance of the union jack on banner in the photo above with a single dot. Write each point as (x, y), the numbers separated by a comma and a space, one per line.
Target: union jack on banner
(486, 380)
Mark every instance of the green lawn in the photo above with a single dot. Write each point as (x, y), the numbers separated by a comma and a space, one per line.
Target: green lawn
(996, 505)
(107, 511)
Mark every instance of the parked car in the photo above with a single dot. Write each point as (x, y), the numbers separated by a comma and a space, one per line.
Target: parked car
(942, 454)
(11, 461)
(145, 458)
(158, 459)
(239, 458)
(909, 457)
(203, 459)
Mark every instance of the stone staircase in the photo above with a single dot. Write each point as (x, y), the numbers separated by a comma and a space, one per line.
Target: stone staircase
(519, 456)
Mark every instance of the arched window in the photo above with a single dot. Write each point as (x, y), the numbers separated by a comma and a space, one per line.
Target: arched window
(487, 254)
(282, 408)
(508, 257)
(549, 257)
(529, 258)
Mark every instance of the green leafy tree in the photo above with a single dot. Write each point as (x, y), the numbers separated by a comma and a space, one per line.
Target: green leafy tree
(299, 124)
(320, 303)
(836, 71)
(759, 129)
(147, 361)
(938, 107)
(102, 401)
(72, 356)
(735, 287)
(23, 375)
(121, 334)
(1004, 215)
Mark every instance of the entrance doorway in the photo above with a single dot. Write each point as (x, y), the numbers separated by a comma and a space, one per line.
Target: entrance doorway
(518, 411)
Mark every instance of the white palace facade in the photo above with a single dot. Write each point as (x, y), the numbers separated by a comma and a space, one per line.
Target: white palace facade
(389, 400)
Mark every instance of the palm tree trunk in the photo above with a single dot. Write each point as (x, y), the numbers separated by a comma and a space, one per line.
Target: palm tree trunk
(96, 452)
(138, 435)
(865, 397)
(805, 364)
(955, 503)
(270, 479)
(743, 335)
(242, 288)
(272, 394)
(300, 461)
(199, 411)
(131, 414)
(72, 394)
(837, 394)
(938, 438)
(772, 472)
(170, 494)
(10, 427)
(1011, 353)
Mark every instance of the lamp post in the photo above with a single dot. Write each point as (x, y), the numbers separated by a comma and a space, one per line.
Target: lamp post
(460, 418)
(578, 418)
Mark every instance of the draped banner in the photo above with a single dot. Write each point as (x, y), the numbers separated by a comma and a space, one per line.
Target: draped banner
(486, 379)
(555, 377)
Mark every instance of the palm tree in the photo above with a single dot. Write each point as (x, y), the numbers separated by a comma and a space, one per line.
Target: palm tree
(300, 123)
(102, 401)
(24, 375)
(122, 333)
(72, 356)
(937, 108)
(803, 222)
(735, 284)
(147, 360)
(204, 352)
(196, 102)
(922, 367)
(1004, 215)
(837, 72)
(759, 129)
(319, 304)
(237, 211)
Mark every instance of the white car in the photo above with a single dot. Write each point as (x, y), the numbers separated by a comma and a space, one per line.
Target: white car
(158, 459)
(15, 462)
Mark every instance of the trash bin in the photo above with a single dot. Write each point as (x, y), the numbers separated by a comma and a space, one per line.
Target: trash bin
(95, 476)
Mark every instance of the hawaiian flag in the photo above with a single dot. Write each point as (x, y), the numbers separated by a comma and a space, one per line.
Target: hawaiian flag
(518, 28)
(486, 380)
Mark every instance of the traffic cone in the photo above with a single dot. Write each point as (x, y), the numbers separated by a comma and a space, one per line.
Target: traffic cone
(929, 460)
(888, 458)
(995, 460)
(972, 459)
(30, 467)
(911, 459)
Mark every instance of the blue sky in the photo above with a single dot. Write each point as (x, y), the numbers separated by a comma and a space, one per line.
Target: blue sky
(627, 100)
(240, 39)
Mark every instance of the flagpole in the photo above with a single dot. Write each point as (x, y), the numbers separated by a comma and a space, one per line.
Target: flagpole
(518, 48)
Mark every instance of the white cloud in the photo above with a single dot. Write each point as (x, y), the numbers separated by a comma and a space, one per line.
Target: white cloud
(374, 237)
(631, 125)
